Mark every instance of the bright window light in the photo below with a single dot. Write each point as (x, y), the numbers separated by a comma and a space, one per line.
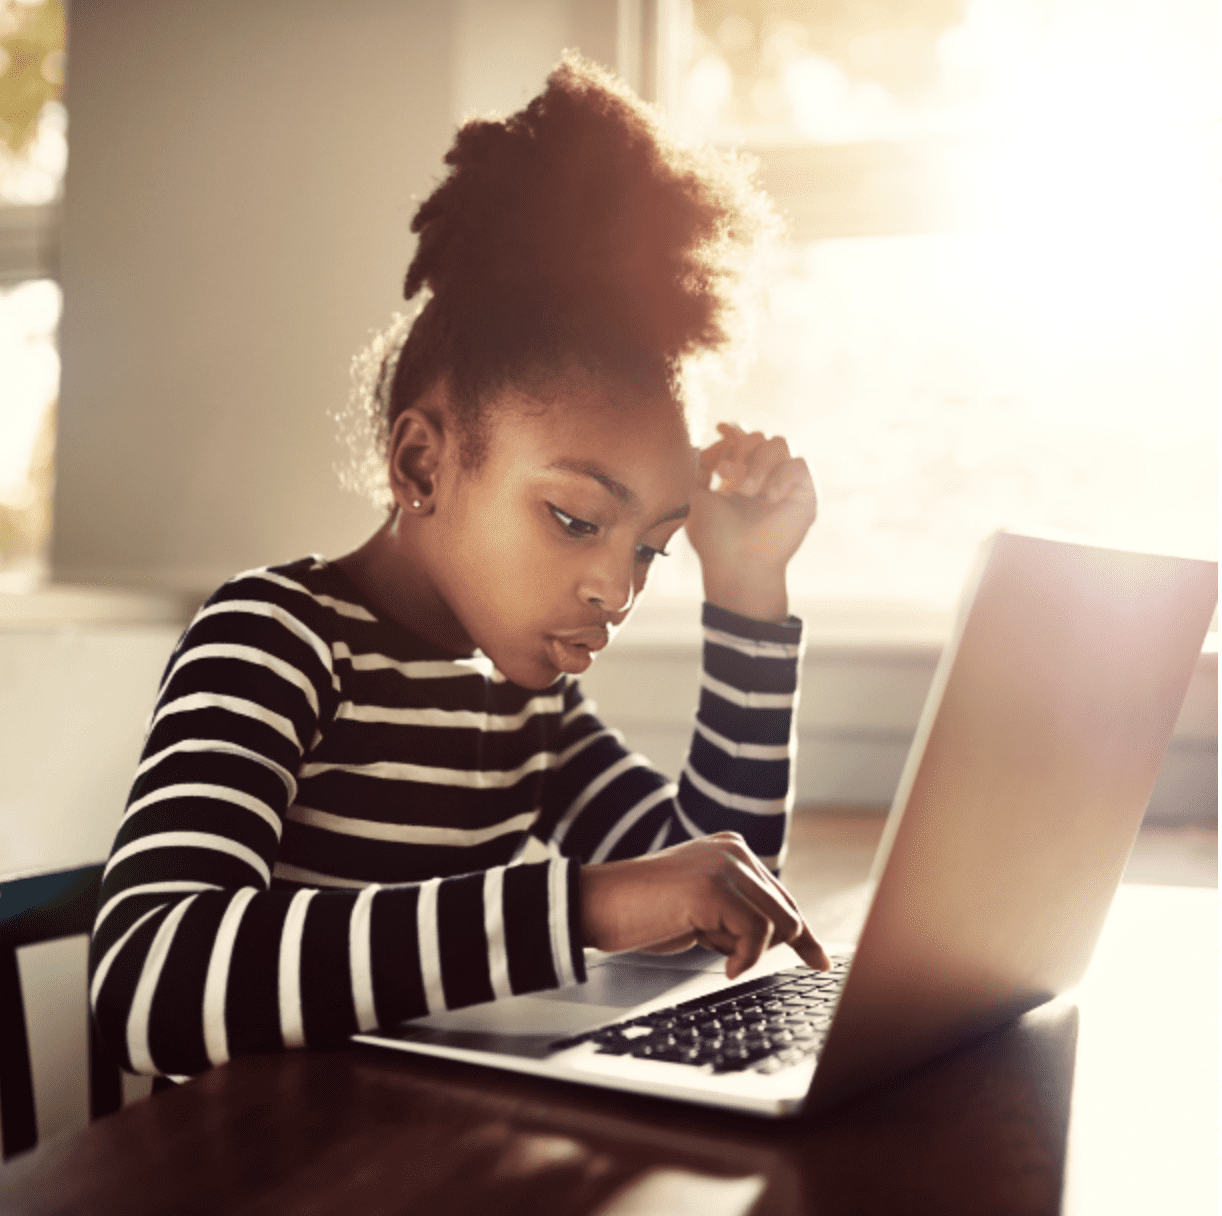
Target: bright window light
(1053, 362)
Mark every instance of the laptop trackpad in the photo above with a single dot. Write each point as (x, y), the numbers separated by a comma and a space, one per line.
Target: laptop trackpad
(527, 1025)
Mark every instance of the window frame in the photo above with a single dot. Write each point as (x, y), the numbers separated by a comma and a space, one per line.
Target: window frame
(923, 184)
(29, 242)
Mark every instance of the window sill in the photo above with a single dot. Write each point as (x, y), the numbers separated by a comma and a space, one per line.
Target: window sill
(893, 630)
(29, 242)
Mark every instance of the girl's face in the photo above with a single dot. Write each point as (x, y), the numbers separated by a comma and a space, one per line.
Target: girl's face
(541, 551)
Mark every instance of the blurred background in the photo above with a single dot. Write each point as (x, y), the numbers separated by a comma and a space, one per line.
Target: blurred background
(997, 303)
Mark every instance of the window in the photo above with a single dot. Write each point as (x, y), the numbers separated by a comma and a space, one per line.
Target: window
(998, 301)
(33, 154)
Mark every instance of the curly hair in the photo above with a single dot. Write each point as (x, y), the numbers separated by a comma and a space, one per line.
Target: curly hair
(575, 231)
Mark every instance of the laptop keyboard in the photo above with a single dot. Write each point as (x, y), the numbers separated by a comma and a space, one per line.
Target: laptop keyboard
(765, 1024)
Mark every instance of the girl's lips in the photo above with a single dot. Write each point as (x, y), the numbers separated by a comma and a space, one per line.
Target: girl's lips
(574, 652)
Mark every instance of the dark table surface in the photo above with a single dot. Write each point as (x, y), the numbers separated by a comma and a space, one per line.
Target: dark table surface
(1090, 1104)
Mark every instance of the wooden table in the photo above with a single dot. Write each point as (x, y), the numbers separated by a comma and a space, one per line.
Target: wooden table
(1099, 1104)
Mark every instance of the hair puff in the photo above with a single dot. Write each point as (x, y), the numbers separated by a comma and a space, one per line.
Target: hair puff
(576, 229)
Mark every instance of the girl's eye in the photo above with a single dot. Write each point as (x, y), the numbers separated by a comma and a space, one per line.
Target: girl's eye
(571, 524)
(581, 527)
(646, 553)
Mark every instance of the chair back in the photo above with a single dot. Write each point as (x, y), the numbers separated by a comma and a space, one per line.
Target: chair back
(39, 908)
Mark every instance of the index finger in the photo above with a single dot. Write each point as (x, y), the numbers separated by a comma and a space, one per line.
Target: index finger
(807, 948)
(769, 897)
(711, 456)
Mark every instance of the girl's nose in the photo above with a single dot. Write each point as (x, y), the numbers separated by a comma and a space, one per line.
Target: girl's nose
(609, 591)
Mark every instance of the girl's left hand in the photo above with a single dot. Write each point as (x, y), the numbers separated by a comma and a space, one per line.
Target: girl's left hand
(747, 529)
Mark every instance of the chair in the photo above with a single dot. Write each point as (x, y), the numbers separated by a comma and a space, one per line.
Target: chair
(41, 908)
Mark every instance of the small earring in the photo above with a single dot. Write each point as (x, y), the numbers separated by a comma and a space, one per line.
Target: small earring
(416, 504)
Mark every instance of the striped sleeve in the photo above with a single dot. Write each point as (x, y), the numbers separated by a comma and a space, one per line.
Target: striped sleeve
(609, 803)
(197, 956)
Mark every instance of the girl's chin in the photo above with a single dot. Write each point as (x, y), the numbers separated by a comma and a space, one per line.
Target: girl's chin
(540, 667)
(535, 673)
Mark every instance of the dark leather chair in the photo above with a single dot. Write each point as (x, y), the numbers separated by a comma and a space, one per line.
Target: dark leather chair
(41, 908)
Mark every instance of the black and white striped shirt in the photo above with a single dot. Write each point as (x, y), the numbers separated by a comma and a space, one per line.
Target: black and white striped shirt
(336, 825)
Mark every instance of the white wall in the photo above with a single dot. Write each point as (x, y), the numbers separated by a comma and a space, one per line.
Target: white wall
(237, 203)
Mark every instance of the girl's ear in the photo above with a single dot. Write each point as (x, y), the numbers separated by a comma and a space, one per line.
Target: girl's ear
(416, 443)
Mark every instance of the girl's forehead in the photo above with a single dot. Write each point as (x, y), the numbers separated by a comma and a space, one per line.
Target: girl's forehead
(599, 417)
(637, 452)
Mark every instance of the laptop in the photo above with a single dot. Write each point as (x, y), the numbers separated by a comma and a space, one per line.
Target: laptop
(1022, 794)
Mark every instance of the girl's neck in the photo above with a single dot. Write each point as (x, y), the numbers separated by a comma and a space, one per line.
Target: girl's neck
(388, 568)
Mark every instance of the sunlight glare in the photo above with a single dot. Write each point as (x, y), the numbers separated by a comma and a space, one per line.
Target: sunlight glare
(1104, 197)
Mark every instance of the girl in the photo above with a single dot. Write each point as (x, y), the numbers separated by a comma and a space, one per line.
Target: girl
(371, 788)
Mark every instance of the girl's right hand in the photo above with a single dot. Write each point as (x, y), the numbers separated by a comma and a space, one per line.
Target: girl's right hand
(713, 891)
